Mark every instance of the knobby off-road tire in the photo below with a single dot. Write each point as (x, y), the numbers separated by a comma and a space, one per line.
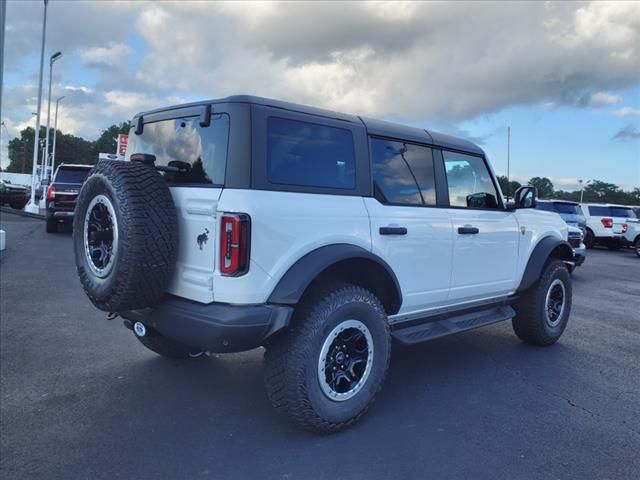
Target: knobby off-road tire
(324, 330)
(543, 311)
(165, 346)
(125, 236)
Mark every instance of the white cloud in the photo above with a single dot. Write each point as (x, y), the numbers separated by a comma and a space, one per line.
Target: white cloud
(114, 55)
(603, 99)
(627, 112)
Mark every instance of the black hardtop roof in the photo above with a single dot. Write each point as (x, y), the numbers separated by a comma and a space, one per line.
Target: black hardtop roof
(374, 127)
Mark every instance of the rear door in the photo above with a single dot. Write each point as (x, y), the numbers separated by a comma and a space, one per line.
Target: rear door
(407, 229)
(198, 153)
(486, 236)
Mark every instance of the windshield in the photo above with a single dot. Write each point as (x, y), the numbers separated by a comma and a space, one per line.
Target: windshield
(72, 175)
(200, 152)
(622, 212)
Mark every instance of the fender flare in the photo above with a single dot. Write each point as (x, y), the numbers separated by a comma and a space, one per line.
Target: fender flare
(538, 259)
(295, 281)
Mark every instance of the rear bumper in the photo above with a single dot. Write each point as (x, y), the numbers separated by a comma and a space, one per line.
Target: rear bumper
(215, 327)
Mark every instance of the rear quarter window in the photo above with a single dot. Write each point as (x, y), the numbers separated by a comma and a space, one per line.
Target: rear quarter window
(599, 211)
(309, 154)
(622, 212)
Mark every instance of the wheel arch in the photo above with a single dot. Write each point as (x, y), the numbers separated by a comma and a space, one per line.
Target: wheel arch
(339, 263)
(548, 247)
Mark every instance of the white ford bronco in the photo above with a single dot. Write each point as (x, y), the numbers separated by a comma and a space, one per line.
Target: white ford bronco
(246, 222)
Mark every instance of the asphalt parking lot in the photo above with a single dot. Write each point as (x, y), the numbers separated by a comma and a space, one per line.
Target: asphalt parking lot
(82, 399)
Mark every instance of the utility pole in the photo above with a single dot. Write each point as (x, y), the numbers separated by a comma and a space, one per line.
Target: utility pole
(32, 206)
(508, 155)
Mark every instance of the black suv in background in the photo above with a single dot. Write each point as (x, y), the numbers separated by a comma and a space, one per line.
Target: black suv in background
(63, 193)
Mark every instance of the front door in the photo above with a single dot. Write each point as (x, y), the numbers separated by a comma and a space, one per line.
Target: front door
(486, 235)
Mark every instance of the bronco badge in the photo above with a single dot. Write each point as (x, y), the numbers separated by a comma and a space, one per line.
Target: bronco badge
(202, 238)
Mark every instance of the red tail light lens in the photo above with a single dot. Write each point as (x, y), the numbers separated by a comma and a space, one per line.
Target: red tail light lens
(235, 240)
(51, 193)
(624, 227)
(607, 222)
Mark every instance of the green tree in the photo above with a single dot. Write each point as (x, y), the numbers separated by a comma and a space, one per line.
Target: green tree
(107, 142)
(508, 187)
(543, 185)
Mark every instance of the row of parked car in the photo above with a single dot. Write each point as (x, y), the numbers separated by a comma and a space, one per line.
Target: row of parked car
(590, 224)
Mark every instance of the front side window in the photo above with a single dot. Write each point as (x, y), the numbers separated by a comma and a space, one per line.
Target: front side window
(199, 152)
(402, 173)
(469, 181)
(309, 154)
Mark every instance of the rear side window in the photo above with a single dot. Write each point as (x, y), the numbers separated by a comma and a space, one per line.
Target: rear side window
(402, 173)
(71, 175)
(469, 181)
(183, 143)
(544, 206)
(597, 211)
(622, 212)
(309, 154)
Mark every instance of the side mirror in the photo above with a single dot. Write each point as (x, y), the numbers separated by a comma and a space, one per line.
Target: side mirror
(525, 197)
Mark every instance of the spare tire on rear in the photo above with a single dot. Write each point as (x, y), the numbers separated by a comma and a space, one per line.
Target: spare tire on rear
(125, 236)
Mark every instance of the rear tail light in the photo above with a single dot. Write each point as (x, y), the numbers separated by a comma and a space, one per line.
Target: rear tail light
(624, 227)
(607, 222)
(51, 193)
(235, 240)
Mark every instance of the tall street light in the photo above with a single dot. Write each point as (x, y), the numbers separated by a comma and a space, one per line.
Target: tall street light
(582, 185)
(32, 206)
(54, 57)
(55, 134)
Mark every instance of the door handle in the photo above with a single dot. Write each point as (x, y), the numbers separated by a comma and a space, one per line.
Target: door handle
(393, 231)
(468, 230)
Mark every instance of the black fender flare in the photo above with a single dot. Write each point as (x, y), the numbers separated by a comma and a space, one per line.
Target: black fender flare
(295, 281)
(538, 259)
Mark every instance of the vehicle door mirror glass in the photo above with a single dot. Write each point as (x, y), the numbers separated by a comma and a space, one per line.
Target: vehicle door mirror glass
(525, 197)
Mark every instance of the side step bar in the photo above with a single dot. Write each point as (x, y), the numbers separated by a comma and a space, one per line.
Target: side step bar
(436, 327)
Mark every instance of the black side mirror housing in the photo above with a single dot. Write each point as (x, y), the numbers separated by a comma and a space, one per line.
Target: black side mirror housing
(525, 197)
(139, 125)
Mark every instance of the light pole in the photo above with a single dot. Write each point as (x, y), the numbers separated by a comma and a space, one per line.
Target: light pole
(32, 206)
(54, 57)
(582, 185)
(55, 134)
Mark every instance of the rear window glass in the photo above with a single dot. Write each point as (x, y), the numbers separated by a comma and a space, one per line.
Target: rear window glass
(566, 208)
(309, 154)
(622, 212)
(183, 143)
(402, 173)
(544, 206)
(72, 175)
(598, 211)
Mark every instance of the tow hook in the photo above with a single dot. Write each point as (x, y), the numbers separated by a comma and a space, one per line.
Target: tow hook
(139, 329)
(112, 315)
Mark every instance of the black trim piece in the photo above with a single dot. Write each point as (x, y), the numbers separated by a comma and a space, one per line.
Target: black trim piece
(214, 327)
(468, 230)
(442, 188)
(393, 231)
(437, 327)
(205, 115)
(139, 125)
(292, 285)
(539, 257)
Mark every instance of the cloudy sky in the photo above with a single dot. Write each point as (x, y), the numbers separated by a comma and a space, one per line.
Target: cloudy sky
(564, 76)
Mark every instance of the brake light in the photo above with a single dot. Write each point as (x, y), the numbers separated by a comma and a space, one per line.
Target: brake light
(51, 193)
(607, 222)
(235, 240)
(624, 227)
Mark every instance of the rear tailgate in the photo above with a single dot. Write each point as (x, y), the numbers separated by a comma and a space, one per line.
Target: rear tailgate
(65, 196)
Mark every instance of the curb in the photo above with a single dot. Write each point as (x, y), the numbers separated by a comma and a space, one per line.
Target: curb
(21, 213)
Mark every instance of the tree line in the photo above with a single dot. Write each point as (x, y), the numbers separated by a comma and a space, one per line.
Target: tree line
(69, 148)
(596, 191)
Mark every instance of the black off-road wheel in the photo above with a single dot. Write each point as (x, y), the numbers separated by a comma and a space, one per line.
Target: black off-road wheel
(543, 311)
(125, 236)
(325, 371)
(52, 225)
